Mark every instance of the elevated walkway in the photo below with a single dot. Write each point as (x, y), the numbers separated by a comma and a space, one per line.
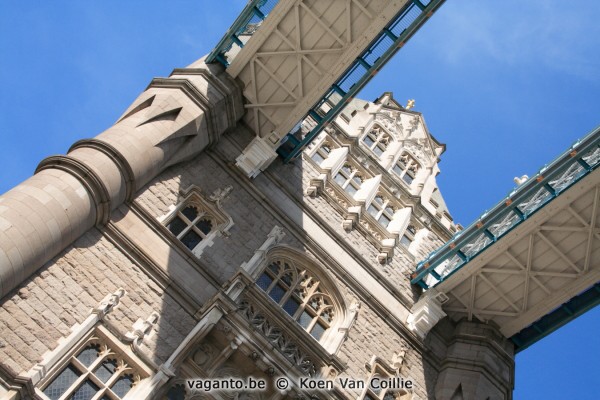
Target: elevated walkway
(531, 263)
(305, 60)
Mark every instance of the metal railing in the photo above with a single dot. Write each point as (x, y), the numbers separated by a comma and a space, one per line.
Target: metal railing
(552, 180)
(246, 24)
(381, 49)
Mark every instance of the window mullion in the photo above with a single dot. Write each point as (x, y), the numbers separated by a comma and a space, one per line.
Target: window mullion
(74, 386)
(286, 295)
(184, 231)
(313, 322)
(100, 393)
(183, 217)
(272, 284)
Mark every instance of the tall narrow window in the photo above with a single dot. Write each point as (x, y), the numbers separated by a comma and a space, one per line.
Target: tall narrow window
(299, 294)
(321, 153)
(381, 210)
(349, 179)
(377, 140)
(191, 225)
(97, 370)
(406, 168)
(408, 236)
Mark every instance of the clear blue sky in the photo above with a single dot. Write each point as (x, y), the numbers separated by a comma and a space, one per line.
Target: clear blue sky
(507, 85)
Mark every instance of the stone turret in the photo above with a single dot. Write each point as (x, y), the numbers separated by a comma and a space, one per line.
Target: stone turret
(172, 121)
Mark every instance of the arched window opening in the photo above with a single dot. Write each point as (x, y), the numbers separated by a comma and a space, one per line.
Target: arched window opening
(321, 153)
(381, 209)
(349, 179)
(406, 168)
(300, 294)
(191, 225)
(377, 140)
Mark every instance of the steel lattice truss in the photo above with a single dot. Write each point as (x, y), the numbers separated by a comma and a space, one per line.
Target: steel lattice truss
(299, 52)
(541, 264)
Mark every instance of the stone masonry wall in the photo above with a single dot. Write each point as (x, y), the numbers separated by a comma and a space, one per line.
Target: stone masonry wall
(371, 334)
(63, 292)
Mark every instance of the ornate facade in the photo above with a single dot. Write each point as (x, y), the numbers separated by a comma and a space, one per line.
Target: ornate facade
(146, 261)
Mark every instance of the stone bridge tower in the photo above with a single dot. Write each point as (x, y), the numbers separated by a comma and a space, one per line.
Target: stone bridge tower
(145, 262)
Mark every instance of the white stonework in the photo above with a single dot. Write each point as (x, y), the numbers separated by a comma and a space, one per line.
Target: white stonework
(256, 157)
(426, 312)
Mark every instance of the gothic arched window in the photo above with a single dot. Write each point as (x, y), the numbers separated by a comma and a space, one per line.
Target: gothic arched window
(321, 153)
(377, 140)
(300, 294)
(349, 179)
(406, 168)
(381, 210)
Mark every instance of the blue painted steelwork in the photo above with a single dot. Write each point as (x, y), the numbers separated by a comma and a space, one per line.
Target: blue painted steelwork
(381, 49)
(552, 180)
(246, 24)
(567, 312)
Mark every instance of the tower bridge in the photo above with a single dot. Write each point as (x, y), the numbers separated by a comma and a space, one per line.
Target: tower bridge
(161, 261)
(289, 62)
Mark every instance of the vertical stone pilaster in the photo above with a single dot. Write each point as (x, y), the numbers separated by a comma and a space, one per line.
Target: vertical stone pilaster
(479, 363)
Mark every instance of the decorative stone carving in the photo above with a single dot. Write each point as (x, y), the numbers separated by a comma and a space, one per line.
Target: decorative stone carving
(278, 338)
(142, 328)
(219, 194)
(316, 187)
(418, 151)
(335, 197)
(108, 303)
(203, 354)
(274, 237)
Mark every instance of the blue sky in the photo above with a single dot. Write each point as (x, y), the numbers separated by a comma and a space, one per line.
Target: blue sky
(507, 85)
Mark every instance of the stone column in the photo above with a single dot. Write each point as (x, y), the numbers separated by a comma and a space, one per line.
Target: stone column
(172, 121)
(479, 363)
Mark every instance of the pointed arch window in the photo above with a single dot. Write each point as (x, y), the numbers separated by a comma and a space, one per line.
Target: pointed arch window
(406, 168)
(377, 140)
(321, 153)
(381, 209)
(349, 179)
(300, 294)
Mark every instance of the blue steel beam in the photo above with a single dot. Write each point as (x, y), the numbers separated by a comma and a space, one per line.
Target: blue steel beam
(572, 309)
(401, 28)
(551, 181)
(252, 15)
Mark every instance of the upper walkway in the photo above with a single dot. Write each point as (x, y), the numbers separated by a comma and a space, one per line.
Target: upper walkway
(531, 263)
(306, 59)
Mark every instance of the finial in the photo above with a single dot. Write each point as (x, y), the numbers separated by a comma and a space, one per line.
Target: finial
(410, 104)
(521, 180)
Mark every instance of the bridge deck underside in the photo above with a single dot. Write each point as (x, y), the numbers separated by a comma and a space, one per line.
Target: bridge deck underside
(541, 264)
(297, 54)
